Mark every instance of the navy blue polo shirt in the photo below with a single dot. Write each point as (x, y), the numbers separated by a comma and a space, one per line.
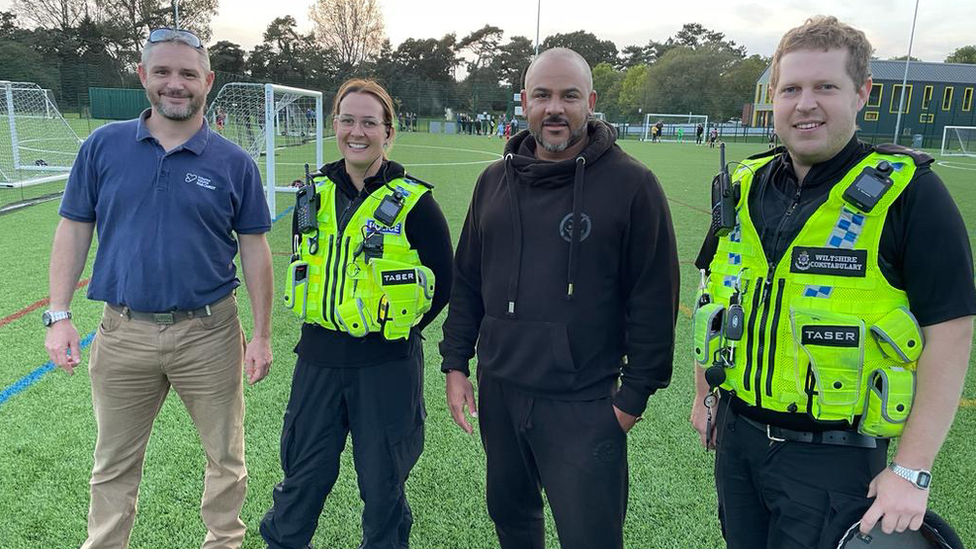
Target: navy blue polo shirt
(165, 220)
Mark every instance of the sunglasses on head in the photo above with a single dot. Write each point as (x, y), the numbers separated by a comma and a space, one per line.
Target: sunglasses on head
(170, 35)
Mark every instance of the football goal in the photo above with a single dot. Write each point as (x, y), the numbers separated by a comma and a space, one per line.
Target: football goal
(282, 124)
(676, 128)
(36, 143)
(959, 141)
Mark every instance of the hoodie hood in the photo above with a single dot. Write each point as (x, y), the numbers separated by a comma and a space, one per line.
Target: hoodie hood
(532, 171)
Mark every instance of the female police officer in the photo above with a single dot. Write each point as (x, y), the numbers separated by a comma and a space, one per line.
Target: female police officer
(369, 244)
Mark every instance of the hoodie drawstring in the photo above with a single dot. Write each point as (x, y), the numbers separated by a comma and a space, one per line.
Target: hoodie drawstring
(513, 280)
(573, 267)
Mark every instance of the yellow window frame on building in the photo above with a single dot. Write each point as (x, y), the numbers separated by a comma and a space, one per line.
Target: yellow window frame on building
(947, 98)
(927, 97)
(896, 97)
(877, 100)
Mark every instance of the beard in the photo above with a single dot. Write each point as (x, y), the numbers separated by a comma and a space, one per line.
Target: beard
(177, 113)
(575, 135)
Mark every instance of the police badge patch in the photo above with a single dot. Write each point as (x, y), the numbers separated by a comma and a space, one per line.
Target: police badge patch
(829, 261)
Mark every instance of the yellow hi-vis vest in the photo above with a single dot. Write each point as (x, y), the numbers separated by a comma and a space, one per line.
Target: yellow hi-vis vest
(825, 333)
(352, 287)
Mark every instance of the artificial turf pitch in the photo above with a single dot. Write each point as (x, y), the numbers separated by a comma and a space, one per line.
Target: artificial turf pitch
(47, 431)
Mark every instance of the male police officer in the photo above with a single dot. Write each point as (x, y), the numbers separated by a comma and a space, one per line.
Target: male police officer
(827, 274)
(166, 194)
(565, 264)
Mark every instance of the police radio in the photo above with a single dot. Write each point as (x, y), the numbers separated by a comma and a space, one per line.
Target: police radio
(723, 199)
(869, 186)
(307, 205)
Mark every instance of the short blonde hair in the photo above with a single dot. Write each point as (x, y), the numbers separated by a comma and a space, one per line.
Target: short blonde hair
(371, 87)
(827, 33)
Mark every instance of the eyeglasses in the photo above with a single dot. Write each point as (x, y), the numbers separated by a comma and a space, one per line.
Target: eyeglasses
(169, 35)
(368, 125)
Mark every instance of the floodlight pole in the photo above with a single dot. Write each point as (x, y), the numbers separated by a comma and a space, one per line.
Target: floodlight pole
(904, 80)
(538, 15)
(176, 14)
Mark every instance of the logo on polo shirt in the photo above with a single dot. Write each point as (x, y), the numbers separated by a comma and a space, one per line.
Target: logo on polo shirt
(200, 181)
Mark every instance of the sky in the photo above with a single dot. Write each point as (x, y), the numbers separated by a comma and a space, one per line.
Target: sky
(943, 25)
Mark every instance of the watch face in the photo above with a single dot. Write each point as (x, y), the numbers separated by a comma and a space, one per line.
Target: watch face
(46, 318)
(924, 479)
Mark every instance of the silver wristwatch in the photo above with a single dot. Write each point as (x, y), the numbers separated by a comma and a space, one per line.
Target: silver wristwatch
(920, 478)
(50, 317)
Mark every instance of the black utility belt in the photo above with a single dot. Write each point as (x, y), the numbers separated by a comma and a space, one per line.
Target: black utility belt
(835, 438)
(169, 317)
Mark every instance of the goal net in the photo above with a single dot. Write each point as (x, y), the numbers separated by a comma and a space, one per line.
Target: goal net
(37, 145)
(959, 141)
(675, 128)
(280, 127)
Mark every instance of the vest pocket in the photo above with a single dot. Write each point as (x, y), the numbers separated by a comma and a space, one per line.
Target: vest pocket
(888, 402)
(899, 336)
(830, 346)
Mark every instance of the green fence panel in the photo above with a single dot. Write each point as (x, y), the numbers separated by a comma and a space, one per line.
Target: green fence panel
(117, 103)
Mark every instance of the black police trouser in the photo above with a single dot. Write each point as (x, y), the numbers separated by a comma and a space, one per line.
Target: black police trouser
(575, 450)
(788, 495)
(383, 407)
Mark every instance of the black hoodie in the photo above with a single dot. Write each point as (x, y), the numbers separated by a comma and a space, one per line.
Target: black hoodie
(427, 232)
(553, 305)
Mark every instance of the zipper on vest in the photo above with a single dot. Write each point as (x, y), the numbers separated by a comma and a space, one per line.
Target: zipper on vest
(766, 291)
(342, 281)
(326, 304)
(335, 279)
(757, 294)
(772, 337)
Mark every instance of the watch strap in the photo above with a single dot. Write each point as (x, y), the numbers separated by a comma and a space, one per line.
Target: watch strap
(920, 478)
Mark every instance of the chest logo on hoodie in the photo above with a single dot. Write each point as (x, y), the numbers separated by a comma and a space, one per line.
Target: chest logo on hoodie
(566, 227)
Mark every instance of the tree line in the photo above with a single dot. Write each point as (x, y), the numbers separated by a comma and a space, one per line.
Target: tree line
(70, 45)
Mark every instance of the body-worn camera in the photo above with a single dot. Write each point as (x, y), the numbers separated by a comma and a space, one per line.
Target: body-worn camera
(869, 186)
(389, 208)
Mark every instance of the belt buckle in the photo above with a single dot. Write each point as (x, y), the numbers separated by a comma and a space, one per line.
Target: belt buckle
(164, 318)
(770, 436)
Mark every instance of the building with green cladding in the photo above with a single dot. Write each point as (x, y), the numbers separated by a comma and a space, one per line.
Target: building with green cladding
(936, 95)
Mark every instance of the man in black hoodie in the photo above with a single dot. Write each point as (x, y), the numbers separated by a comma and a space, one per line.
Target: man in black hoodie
(567, 280)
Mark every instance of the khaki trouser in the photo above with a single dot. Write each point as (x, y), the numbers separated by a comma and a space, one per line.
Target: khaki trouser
(133, 365)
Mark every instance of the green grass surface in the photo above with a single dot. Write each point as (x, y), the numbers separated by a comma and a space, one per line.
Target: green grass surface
(47, 433)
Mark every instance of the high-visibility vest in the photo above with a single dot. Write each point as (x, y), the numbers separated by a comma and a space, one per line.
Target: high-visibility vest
(825, 333)
(366, 279)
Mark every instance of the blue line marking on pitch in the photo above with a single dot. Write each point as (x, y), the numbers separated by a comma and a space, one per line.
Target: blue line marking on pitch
(282, 214)
(23, 383)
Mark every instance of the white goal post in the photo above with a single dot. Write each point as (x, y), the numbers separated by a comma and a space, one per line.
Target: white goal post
(674, 127)
(36, 143)
(959, 141)
(282, 123)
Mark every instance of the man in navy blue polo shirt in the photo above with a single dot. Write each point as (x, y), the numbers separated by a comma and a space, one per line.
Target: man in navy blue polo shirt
(172, 201)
